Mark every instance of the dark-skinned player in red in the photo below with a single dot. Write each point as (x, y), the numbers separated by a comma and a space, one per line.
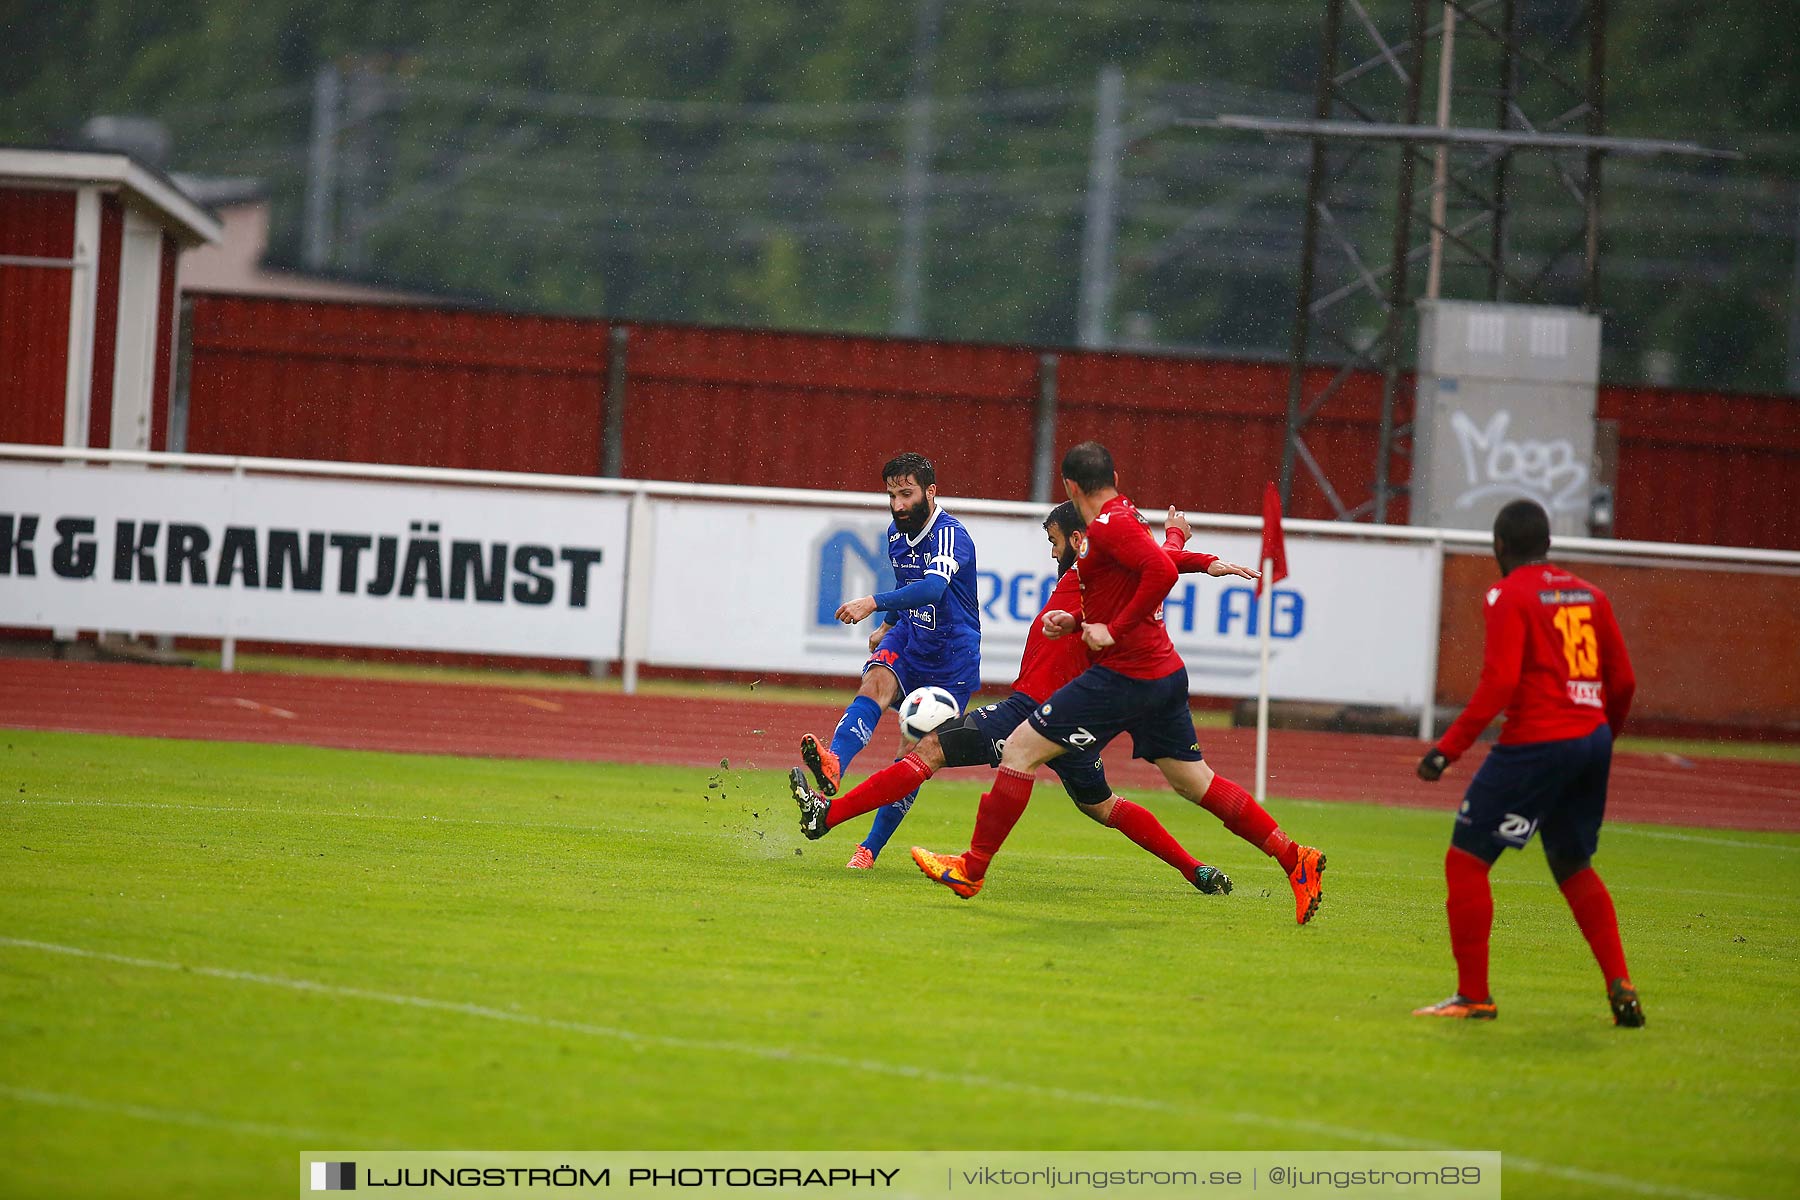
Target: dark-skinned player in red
(1137, 684)
(977, 738)
(1556, 662)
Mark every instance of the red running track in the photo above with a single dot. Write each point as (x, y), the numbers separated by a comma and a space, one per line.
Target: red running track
(505, 722)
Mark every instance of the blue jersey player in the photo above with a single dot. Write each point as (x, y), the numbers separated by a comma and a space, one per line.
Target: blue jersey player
(930, 635)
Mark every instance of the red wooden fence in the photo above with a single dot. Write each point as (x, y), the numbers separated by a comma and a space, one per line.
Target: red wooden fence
(455, 388)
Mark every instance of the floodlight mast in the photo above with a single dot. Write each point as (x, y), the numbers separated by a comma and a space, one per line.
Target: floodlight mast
(1344, 124)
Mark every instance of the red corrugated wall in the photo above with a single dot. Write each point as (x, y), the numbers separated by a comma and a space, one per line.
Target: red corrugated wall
(1207, 433)
(466, 389)
(1707, 467)
(34, 315)
(792, 410)
(373, 383)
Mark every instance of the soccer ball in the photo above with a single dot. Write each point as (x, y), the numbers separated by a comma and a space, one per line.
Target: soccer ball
(924, 709)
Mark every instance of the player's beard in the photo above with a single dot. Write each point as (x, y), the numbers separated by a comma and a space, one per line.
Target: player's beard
(1066, 563)
(910, 520)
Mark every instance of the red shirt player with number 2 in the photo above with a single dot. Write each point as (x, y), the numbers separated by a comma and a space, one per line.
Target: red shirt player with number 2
(1555, 661)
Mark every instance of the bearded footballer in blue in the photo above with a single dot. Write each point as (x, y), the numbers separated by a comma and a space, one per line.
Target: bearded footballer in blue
(930, 634)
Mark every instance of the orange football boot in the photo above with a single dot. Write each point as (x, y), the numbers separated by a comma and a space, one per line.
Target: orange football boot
(822, 763)
(1460, 1005)
(947, 870)
(1308, 886)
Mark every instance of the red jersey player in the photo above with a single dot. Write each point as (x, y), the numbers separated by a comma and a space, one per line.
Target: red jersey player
(1556, 662)
(1137, 684)
(976, 739)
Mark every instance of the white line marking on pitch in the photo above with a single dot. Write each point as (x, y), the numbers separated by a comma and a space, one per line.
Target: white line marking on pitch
(346, 814)
(1637, 830)
(1637, 827)
(1618, 886)
(872, 1066)
(168, 1116)
(1640, 831)
(353, 815)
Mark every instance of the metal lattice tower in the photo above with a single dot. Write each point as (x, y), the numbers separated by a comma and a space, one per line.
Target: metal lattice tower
(1360, 250)
(1539, 88)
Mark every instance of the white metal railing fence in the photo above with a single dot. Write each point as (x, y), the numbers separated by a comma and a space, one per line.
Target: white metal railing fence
(1456, 539)
(637, 615)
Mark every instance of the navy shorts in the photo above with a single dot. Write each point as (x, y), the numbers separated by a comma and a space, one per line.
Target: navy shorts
(1099, 704)
(1556, 789)
(894, 654)
(1080, 770)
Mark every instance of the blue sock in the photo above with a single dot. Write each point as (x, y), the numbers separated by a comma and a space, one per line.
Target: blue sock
(855, 730)
(887, 820)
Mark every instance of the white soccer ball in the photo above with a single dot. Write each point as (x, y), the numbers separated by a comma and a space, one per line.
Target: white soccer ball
(924, 709)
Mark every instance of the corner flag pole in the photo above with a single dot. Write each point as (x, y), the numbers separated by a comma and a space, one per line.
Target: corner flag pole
(1273, 561)
(1262, 695)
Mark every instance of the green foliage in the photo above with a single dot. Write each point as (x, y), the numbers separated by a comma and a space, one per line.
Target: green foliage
(721, 983)
(500, 164)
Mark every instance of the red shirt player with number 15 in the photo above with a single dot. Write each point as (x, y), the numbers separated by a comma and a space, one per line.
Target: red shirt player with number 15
(1556, 662)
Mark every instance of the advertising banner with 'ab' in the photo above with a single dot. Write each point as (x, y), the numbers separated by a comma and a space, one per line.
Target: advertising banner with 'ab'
(1350, 621)
(484, 570)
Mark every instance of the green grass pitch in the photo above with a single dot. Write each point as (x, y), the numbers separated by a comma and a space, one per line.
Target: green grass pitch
(213, 956)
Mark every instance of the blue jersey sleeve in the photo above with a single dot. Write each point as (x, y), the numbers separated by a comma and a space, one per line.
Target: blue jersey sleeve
(928, 590)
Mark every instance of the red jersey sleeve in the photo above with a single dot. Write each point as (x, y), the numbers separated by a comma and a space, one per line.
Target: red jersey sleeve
(1615, 667)
(1503, 659)
(1129, 544)
(1065, 597)
(1188, 562)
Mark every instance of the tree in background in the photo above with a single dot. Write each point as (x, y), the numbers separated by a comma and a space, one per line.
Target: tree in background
(743, 163)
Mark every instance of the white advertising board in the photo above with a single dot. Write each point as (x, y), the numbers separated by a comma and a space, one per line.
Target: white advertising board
(744, 587)
(483, 570)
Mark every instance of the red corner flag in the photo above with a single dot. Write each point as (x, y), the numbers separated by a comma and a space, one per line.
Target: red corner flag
(1274, 547)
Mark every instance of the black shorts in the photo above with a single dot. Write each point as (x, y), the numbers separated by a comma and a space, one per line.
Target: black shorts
(1099, 704)
(1557, 789)
(1080, 771)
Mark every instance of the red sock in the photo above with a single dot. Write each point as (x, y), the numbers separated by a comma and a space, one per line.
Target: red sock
(1593, 908)
(883, 787)
(1000, 810)
(1141, 826)
(1249, 820)
(1471, 908)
